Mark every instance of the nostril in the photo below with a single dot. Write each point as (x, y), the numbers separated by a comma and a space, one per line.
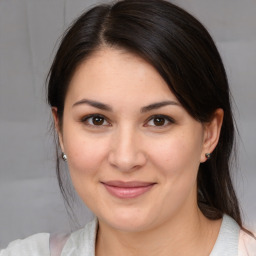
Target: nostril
(126, 162)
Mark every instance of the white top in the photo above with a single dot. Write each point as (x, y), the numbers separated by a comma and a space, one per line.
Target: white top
(231, 241)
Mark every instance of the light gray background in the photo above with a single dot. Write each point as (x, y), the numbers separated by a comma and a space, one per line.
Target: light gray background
(30, 201)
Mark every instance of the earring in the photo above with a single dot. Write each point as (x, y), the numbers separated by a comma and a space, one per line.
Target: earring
(64, 157)
(208, 155)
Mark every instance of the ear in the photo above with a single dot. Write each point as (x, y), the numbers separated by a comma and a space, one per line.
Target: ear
(212, 133)
(57, 126)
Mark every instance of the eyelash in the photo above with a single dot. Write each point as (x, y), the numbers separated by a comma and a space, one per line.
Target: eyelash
(86, 119)
(167, 121)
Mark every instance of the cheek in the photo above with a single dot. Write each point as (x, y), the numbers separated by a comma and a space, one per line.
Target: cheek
(178, 155)
(85, 158)
(177, 160)
(85, 154)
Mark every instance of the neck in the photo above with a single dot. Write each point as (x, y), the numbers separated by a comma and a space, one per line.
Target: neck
(186, 234)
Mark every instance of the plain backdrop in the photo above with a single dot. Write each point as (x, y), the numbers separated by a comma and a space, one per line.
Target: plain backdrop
(30, 200)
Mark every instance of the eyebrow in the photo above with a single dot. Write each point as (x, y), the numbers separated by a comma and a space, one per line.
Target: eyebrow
(93, 103)
(158, 105)
(106, 107)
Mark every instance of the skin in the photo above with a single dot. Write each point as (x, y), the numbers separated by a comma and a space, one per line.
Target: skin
(128, 144)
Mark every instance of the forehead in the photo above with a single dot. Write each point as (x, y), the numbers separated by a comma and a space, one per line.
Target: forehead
(114, 73)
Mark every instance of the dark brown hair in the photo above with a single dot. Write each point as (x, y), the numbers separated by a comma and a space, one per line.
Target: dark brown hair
(184, 54)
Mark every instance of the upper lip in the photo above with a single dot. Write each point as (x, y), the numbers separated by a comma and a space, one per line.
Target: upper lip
(127, 184)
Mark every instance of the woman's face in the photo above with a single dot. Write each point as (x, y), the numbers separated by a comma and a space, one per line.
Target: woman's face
(133, 151)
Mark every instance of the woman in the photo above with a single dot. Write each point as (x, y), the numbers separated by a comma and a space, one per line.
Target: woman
(141, 106)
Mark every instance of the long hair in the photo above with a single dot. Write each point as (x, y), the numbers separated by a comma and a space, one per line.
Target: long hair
(179, 47)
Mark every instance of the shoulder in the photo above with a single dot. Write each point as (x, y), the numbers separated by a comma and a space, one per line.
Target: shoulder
(32, 246)
(228, 237)
(247, 244)
(233, 241)
(82, 242)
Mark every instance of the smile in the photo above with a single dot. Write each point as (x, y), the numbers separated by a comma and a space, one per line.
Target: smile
(127, 190)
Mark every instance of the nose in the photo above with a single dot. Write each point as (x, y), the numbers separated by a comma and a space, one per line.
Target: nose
(126, 152)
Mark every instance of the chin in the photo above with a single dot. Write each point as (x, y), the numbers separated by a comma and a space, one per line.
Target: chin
(128, 221)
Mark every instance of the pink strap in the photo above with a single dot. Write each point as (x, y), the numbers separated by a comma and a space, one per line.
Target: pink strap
(247, 244)
(57, 242)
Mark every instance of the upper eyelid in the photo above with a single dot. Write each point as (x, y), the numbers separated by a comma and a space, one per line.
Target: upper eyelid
(86, 117)
(169, 120)
(161, 116)
(93, 115)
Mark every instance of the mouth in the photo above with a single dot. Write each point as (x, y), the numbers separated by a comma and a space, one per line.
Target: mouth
(127, 190)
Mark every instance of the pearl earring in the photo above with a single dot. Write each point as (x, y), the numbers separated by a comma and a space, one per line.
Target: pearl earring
(208, 155)
(64, 157)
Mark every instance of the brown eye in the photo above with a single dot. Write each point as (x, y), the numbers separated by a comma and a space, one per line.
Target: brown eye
(95, 120)
(159, 121)
(98, 120)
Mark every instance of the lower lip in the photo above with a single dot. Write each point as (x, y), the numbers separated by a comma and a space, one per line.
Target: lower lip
(126, 193)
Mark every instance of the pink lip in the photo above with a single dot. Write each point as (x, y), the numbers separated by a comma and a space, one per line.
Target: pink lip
(125, 190)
